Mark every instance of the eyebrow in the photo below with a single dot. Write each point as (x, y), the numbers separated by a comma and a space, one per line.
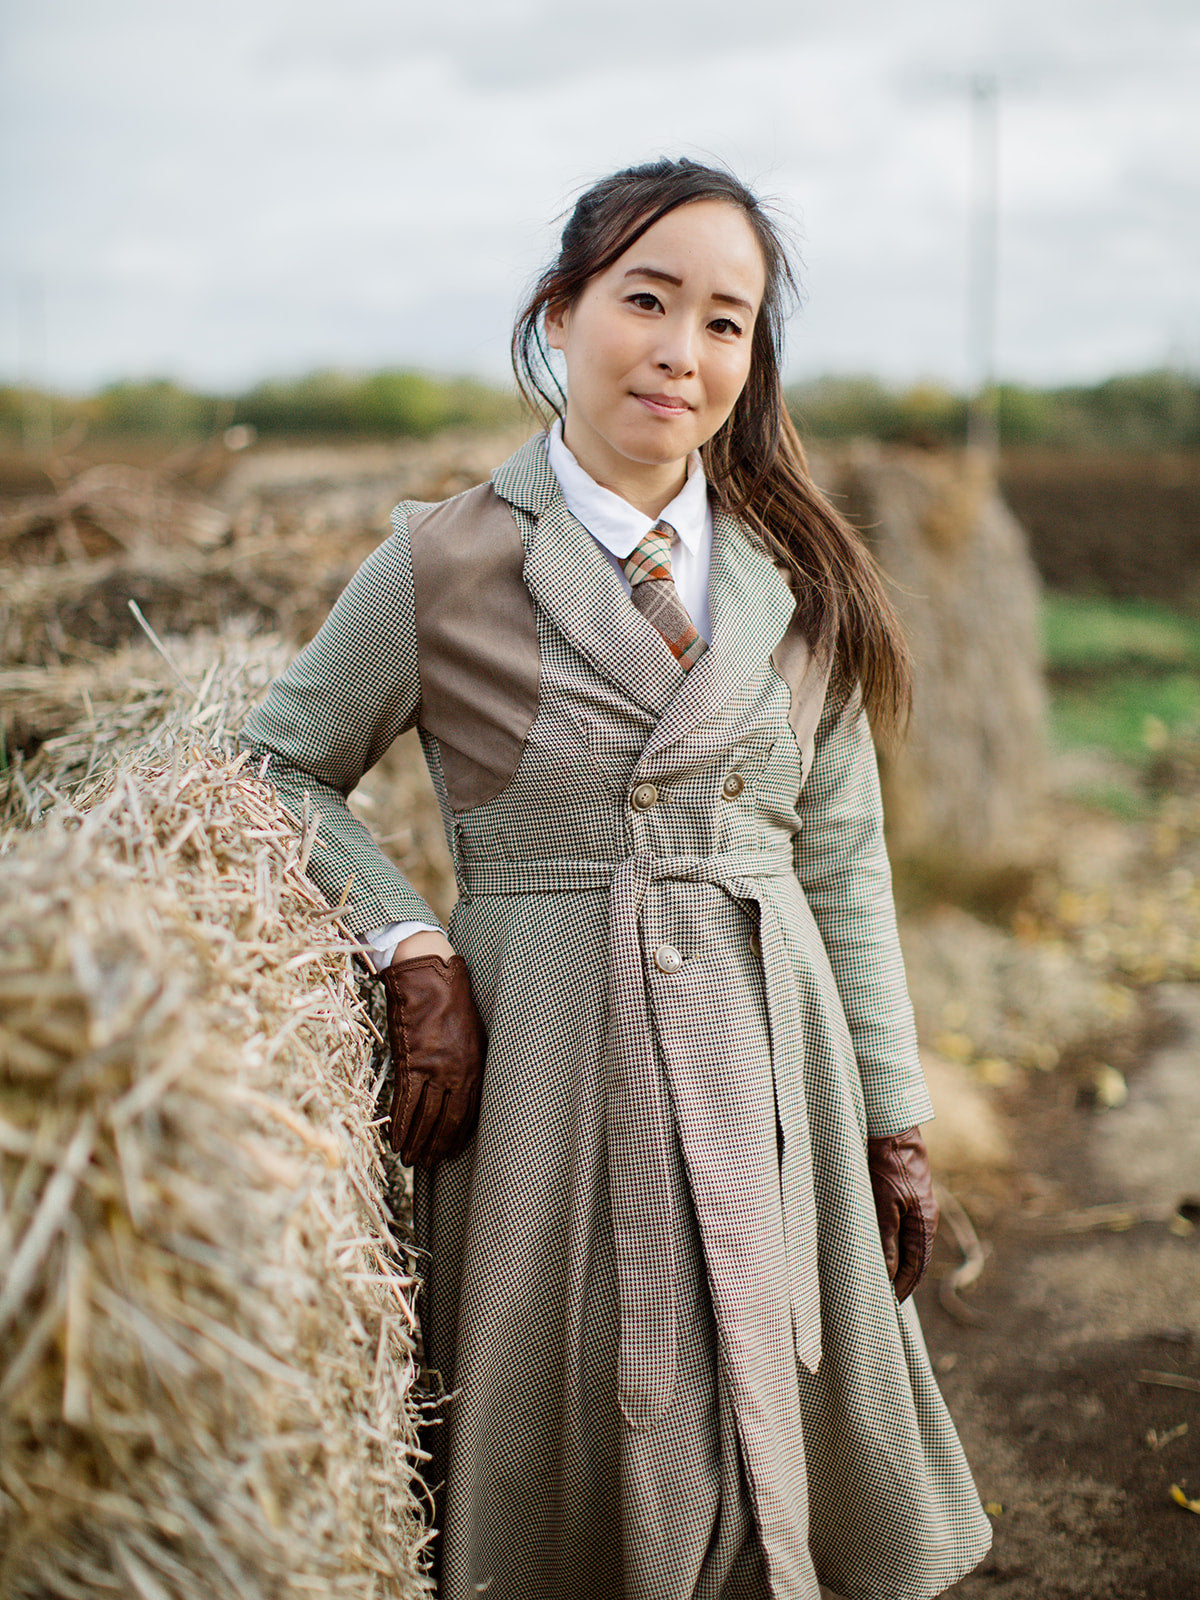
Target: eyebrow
(677, 283)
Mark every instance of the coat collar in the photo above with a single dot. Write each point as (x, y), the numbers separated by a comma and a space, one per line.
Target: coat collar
(568, 575)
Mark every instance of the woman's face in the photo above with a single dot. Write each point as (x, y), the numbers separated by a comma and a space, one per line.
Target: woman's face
(658, 348)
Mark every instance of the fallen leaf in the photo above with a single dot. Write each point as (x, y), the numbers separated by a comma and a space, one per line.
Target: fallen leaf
(1181, 1499)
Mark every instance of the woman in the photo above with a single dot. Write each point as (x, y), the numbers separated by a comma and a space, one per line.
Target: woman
(669, 1269)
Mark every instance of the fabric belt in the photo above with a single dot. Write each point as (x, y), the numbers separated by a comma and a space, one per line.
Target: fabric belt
(639, 1118)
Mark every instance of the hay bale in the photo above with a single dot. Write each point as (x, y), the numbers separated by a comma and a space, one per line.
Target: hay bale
(206, 1333)
(288, 572)
(63, 727)
(960, 793)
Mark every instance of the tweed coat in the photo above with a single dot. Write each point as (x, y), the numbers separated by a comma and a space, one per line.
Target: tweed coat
(655, 1283)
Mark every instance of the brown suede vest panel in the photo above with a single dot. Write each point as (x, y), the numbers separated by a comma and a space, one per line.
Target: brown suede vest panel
(477, 637)
(807, 677)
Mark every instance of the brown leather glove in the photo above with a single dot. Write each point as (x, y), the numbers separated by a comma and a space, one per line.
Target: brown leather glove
(904, 1204)
(436, 1040)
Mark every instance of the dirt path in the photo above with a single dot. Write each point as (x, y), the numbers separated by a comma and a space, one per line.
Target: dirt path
(1076, 1452)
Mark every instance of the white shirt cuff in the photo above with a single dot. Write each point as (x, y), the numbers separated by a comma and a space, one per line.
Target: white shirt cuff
(380, 946)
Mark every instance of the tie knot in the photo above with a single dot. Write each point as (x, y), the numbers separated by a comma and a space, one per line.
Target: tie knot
(652, 557)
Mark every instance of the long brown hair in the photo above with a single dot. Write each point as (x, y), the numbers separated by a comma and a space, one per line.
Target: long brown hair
(755, 463)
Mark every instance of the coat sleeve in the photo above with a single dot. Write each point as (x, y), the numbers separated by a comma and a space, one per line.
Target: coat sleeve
(844, 870)
(328, 719)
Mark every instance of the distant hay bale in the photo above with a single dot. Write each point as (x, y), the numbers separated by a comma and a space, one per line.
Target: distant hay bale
(337, 486)
(206, 1332)
(278, 539)
(981, 995)
(968, 1137)
(108, 508)
(959, 794)
(76, 610)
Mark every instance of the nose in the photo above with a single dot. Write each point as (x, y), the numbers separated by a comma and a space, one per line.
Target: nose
(677, 349)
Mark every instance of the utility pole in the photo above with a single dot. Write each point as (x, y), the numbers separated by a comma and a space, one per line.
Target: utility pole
(983, 422)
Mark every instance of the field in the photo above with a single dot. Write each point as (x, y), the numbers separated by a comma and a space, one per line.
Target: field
(1123, 525)
(1057, 1012)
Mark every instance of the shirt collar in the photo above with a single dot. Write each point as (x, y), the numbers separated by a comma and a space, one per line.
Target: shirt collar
(613, 522)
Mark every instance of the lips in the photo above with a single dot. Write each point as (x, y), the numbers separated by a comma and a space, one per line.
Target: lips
(670, 403)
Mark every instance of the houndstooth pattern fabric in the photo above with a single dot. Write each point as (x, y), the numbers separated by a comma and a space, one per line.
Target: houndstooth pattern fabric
(655, 1283)
(648, 568)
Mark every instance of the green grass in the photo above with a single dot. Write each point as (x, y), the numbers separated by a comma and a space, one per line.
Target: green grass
(1124, 676)
(1081, 633)
(1128, 713)
(1127, 802)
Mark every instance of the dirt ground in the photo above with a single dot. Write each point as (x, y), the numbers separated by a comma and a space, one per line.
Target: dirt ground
(1074, 1448)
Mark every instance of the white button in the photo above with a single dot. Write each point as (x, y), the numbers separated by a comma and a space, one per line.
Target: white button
(644, 796)
(733, 786)
(667, 958)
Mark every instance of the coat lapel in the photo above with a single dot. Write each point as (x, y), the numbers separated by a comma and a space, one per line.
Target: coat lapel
(573, 581)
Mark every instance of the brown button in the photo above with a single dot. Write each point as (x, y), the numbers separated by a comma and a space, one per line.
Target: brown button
(755, 944)
(733, 786)
(667, 958)
(644, 796)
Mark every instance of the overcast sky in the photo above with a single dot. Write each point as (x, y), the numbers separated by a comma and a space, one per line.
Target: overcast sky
(233, 188)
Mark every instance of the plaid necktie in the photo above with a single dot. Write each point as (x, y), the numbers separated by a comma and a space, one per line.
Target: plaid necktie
(648, 569)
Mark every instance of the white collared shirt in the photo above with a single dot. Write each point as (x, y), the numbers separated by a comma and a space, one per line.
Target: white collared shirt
(618, 528)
